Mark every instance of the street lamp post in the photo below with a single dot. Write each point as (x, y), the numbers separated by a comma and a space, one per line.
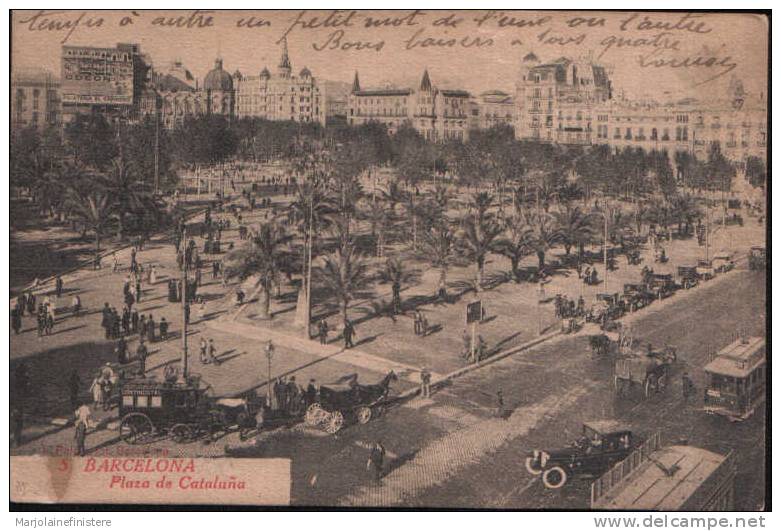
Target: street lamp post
(269, 357)
(183, 244)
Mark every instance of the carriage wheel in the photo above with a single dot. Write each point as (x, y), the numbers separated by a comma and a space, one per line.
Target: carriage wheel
(364, 414)
(334, 423)
(314, 415)
(533, 470)
(555, 477)
(135, 428)
(181, 433)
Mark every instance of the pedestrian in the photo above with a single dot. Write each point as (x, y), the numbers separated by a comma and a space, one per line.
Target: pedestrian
(121, 350)
(198, 277)
(83, 417)
(138, 290)
(31, 303)
(17, 426)
(423, 326)
(311, 392)
(116, 323)
(280, 392)
(141, 354)
(163, 329)
(49, 317)
(396, 288)
(21, 303)
(97, 391)
(215, 269)
(41, 322)
(376, 460)
(16, 320)
(153, 276)
(466, 342)
(58, 286)
(126, 321)
(323, 331)
(425, 383)
(293, 395)
(418, 317)
(76, 305)
(142, 326)
(204, 346)
(115, 266)
(133, 320)
(150, 329)
(349, 333)
(213, 353)
(500, 413)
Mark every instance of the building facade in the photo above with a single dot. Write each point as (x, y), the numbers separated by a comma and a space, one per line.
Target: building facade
(175, 94)
(437, 114)
(281, 95)
(495, 107)
(109, 81)
(35, 100)
(555, 101)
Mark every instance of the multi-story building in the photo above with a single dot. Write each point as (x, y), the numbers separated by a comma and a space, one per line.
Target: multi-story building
(571, 102)
(555, 101)
(35, 99)
(175, 94)
(495, 107)
(281, 96)
(622, 123)
(437, 114)
(111, 81)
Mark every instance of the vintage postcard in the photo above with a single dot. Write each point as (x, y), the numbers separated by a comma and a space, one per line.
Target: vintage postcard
(417, 258)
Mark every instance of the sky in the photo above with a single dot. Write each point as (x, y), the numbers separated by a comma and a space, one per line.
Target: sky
(689, 49)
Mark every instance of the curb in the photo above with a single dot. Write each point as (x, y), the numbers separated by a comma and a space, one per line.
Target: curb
(474, 366)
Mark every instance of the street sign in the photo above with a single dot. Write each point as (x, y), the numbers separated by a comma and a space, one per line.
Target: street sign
(474, 312)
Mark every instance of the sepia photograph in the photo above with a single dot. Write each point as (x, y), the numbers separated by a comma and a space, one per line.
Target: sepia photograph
(403, 259)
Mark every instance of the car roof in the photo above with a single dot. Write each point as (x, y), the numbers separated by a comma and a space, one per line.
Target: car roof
(605, 427)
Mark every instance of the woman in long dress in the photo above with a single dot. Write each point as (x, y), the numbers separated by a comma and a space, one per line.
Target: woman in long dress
(152, 275)
(97, 391)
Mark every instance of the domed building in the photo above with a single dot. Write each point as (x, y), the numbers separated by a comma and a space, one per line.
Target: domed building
(218, 86)
(282, 95)
(175, 94)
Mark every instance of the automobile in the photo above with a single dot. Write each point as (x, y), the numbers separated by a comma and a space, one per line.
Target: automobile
(602, 444)
(723, 262)
(757, 258)
(661, 285)
(688, 276)
(636, 296)
(705, 269)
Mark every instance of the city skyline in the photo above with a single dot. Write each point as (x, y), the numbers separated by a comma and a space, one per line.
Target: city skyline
(474, 69)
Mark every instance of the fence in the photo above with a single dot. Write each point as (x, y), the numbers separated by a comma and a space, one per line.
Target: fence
(622, 470)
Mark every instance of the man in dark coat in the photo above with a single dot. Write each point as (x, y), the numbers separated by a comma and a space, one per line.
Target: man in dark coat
(376, 460)
(121, 351)
(349, 333)
(58, 286)
(141, 355)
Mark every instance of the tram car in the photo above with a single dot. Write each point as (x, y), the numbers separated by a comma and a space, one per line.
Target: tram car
(737, 379)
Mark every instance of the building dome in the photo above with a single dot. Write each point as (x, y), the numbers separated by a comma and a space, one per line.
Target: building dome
(218, 79)
(265, 73)
(305, 73)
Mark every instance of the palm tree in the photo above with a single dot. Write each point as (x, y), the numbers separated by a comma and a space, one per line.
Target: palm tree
(130, 194)
(344, 273)
(480, 203)
(264, 256)
(310, 212)
(438, 247)
(516, 244)
(415, 210)
(476, 241)
(94, 208)
(575, 228)
(397, 274)
(380, 218)
(544, 234)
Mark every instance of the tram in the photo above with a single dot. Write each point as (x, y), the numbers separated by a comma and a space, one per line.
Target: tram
(737, 379)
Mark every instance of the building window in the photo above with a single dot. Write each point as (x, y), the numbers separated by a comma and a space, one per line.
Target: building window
(654, 134)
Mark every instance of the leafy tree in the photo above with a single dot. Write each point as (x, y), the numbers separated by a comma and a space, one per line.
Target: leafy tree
(92, 139)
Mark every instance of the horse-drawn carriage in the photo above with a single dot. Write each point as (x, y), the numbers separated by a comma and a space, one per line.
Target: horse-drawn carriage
(183, 411)
(661, 285)
(688, 276)
(348, 400)
(650, 370)
(607, 307)
(636, 296)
